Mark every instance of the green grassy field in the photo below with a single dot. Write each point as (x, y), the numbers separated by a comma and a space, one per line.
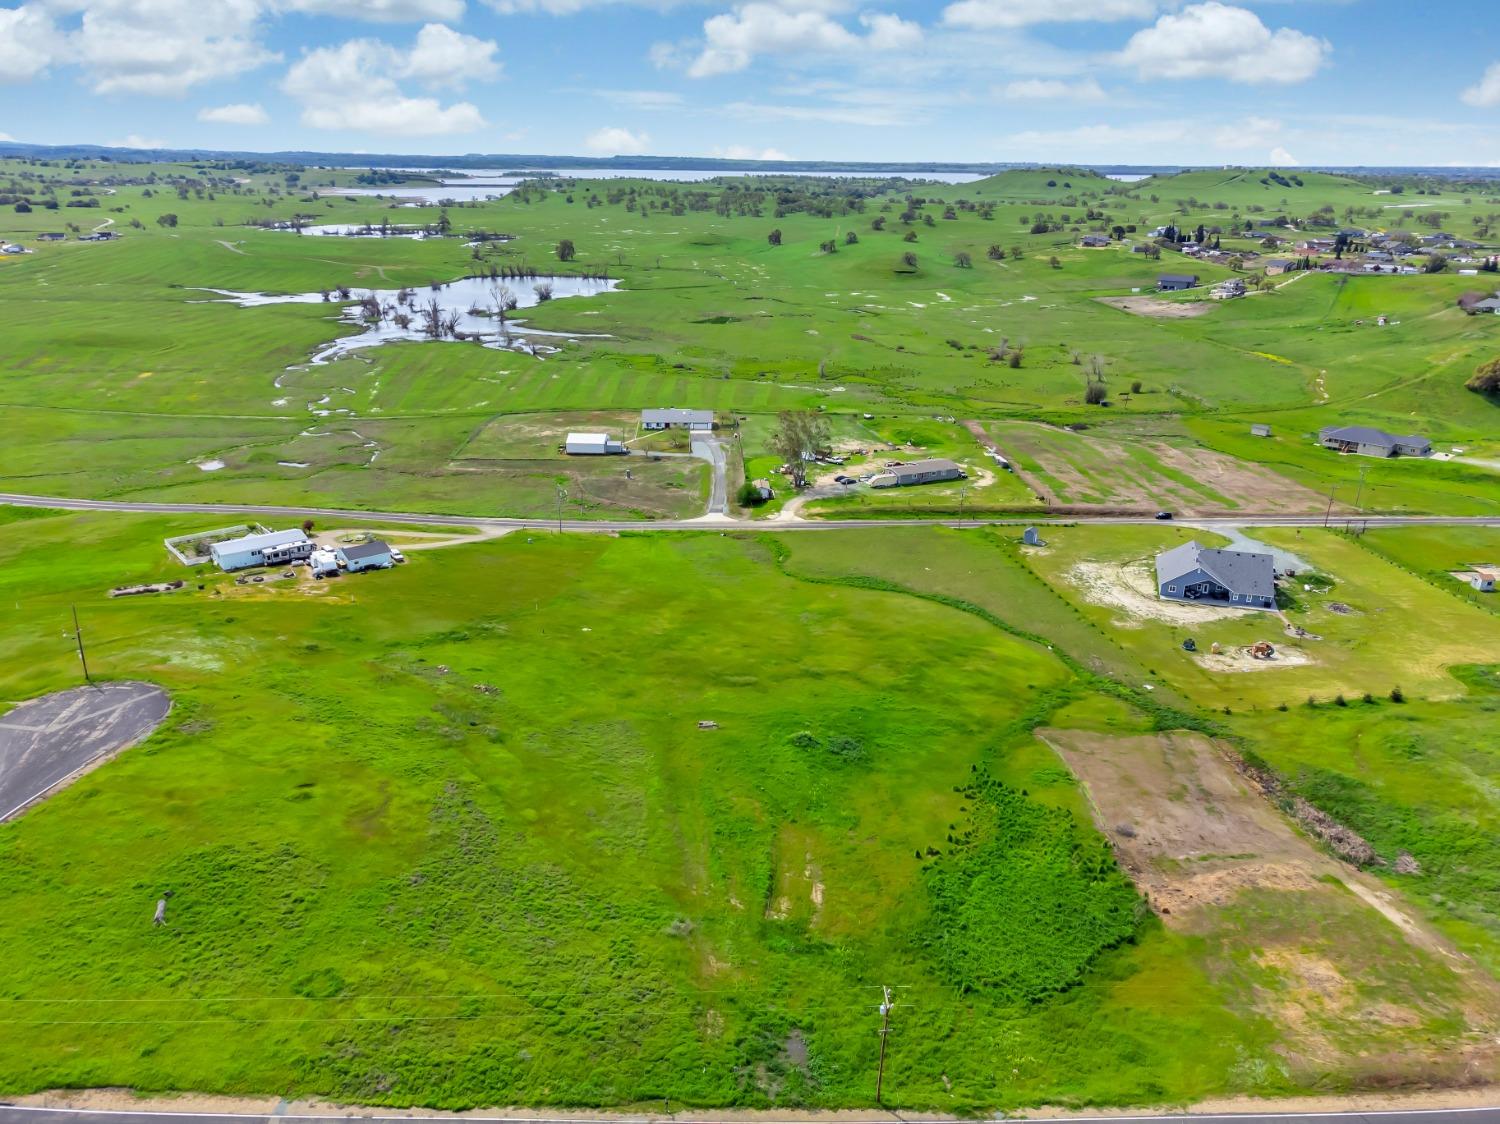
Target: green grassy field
(107, 344)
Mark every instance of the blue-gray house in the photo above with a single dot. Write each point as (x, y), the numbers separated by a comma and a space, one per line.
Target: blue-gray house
(1236, 578)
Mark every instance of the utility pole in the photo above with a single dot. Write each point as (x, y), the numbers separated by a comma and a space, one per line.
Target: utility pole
(1329, 512)
(562, 494)
(1362, 470)
(78, 636)
(963, 496)
(885, 1031)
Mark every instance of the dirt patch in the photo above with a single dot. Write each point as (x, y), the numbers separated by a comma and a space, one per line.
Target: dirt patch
(1130, 587)
(1215, 858)
(1253, 487)
(1158, 309)
(1240, 659)
(1185, 825)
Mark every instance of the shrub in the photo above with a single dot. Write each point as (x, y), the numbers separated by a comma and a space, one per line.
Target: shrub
(1397, 695)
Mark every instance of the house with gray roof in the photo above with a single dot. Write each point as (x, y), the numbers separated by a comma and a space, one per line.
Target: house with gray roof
(273, 548)
(917, 472)
(1176, 282)
(1370, 442)
(372, 555)
(1237, 578)
(677, 419)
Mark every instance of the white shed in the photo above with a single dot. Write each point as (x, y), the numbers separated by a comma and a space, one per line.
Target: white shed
(591, 445)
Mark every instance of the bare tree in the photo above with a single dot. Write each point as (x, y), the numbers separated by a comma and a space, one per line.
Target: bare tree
(565, 250)
(543, 292)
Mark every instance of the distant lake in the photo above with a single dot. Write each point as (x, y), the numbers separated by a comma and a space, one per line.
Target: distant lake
(493, 183)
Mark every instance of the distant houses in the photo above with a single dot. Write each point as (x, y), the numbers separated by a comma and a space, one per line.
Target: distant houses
(592, 445)
(1228, 290)
(272, 548)
(699, 420)
(1176, 282)
(1095, 241)
(1277, 266)
(918, 472)
(1237, 578)
(52, 236)
(1370, 442)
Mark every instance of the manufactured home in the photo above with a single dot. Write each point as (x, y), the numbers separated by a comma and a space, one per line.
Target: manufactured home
(273, 548)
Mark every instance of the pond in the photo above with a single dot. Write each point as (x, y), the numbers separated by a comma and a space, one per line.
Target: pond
(469, 310)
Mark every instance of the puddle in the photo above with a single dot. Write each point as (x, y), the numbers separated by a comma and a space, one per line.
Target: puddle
(463, 311)
(294, 464)
(210, 466)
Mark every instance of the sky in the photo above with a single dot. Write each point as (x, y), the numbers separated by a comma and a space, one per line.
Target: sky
(1201, 82)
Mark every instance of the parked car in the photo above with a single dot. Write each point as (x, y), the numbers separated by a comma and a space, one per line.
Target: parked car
(397, 556)
(1164, 515)
(845, 480)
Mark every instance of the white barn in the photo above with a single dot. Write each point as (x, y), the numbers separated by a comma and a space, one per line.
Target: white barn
(592, 445)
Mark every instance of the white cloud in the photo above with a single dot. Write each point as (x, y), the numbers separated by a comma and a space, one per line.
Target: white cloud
(749, 152)
(31, 40)
(1214, 40)
(6, 138)
(444, 57)
(1486, 92)
(991, 14)
(873, 116)
(614, 141)
(1249, 132)
(1282, 158)
(388, 11)
(134, 140)
(1052, 89)
(354, 85)
(888, 32)
(236, 114)
(643, 99)
(162, 47)
(732, 40)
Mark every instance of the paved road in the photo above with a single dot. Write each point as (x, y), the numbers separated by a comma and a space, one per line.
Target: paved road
(714, 522)
(708, 447)
(47, 741)
(13, 1114)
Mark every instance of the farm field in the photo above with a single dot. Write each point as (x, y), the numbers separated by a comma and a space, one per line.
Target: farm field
(548, 843)
(114, 343)
(643, 819)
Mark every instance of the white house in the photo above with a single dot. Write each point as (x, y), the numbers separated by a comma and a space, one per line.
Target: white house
(677, 419)
(372, 555)
(592, 445)
(274, 548)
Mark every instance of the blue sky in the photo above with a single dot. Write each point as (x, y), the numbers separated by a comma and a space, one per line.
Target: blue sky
(1129, 81)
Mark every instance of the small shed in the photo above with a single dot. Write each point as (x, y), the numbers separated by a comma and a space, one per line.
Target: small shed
(1030, 537)
(1176, 282)
(1260, 429)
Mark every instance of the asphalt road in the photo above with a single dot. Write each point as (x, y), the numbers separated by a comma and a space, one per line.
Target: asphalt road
(707, 447)
(10, 1114)
(713, 522)
(47, 741)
